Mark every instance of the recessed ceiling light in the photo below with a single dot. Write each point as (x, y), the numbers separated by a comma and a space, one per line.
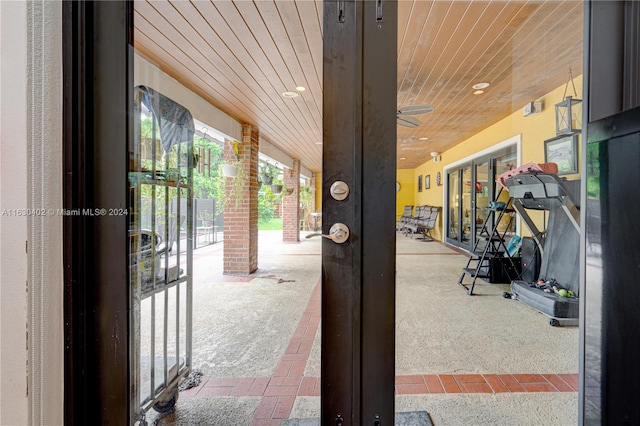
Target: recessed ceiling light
(290, 94)
(423, 139)
(479, 86)
(478, 92)
(403, 158)
(301, 88)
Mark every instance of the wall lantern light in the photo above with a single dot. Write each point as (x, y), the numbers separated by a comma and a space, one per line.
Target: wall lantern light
(569, 111)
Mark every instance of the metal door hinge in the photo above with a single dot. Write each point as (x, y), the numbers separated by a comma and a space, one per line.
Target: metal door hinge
(378, 10)
(340, 10)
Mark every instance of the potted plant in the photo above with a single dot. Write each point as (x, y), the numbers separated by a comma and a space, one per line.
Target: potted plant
(276, 188)
(276, 185)
(230, 169)
(238, 183)
(267, 173)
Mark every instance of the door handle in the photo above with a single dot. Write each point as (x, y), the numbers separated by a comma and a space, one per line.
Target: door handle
(339, 233)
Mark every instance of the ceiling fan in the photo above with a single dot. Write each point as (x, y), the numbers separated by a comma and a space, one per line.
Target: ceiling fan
(404, 114)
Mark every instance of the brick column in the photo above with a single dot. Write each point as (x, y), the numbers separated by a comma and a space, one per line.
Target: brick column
(241, 219)
(291, 204)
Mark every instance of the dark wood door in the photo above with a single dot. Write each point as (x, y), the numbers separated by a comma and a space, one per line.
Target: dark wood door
(358, 276)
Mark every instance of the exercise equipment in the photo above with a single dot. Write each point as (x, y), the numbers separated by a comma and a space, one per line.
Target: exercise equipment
(558, 244)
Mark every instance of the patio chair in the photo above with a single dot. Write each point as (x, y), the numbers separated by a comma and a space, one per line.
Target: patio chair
(413, 225)
(406, 215)
(425, 226)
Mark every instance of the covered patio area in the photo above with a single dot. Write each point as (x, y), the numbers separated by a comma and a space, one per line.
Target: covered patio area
(464, 360)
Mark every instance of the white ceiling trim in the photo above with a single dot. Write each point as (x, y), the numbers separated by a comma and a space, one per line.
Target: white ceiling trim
(146, 73)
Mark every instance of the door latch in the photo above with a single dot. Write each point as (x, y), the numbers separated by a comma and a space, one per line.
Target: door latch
(339, 233)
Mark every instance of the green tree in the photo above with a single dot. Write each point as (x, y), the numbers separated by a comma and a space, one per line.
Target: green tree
(266, 204)
(205, 185)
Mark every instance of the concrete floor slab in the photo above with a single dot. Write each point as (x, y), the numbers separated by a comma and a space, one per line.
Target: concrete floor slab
(243, 328)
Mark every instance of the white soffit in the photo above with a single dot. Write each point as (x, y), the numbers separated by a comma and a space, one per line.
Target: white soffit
(146, 73)
(271, 154)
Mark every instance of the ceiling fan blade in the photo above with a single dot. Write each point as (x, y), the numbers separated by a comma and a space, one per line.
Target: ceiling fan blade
(416, 109)
(408, 121)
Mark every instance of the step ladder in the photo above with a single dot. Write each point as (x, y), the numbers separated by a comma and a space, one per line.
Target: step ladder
(483, 260)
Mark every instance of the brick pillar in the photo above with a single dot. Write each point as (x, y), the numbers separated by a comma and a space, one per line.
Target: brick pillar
(290, 204)
(241, 219)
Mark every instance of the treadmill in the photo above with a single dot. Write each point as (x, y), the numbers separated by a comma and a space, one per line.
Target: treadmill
(558, 244)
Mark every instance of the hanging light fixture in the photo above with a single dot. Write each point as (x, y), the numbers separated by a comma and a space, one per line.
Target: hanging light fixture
(569, 111)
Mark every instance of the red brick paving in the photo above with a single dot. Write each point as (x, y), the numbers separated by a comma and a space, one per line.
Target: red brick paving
(496, 384)
(434, 385)
(511, 383)
(409, 380)
(288, 381)
(449, 383)
(299, 385)
(559, 384)
(571, 380)
(411, 389)
(539, 387)
(308, 385)
(475, 388)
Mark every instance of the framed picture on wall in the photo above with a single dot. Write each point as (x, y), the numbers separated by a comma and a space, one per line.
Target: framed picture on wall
(420, 183)
(562, 150)
(427, 182)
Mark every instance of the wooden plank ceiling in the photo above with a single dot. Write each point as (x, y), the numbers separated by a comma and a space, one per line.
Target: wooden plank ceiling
(242, 55)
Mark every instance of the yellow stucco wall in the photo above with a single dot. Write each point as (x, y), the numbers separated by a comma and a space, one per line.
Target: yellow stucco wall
(534, 130)
(406, 195)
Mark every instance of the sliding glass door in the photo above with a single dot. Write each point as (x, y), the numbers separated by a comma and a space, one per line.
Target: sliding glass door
(471, 188)
(461, 201)
(453, 203)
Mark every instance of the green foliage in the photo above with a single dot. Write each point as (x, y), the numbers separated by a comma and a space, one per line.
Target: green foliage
(274, 224)
(266, 204)
(238, 182)
(593, 187)
(267, 169)
(146, 128)
(306, 201)
(205, 186)
(593, 170)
